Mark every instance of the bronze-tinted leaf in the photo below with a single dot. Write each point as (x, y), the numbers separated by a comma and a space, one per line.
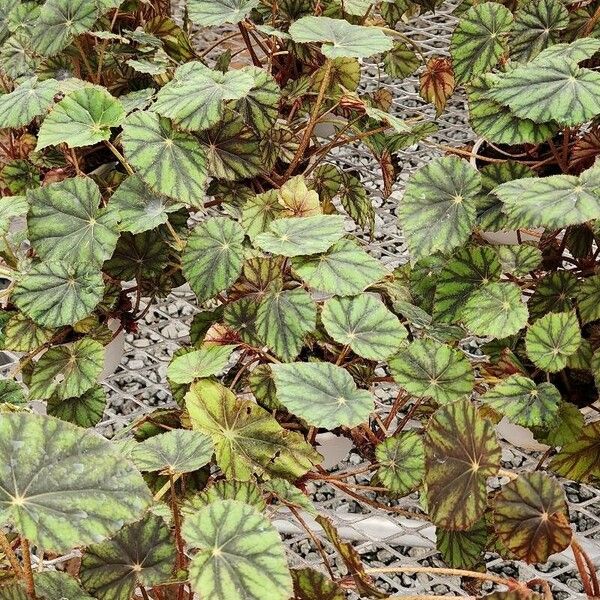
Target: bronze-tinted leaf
(436, 83)
(531, 517)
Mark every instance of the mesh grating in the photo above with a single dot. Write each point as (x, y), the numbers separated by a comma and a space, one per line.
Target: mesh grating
(383, 538)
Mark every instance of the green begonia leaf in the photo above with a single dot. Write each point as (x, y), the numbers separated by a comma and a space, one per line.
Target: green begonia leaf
(85, 410)
(365, 325)
(519, 260)
(54, 294)
(218, 12)
(176, 451)
(345, 269)
(537, 26)
(301, 236)
(59, 22)
(21, 334)
(578, 50)
(195, 98)
(67, 371)
(260, 106)
(289, 494)
(400, 61)
(553, 293)
(552, 339)
(48, 585)
(524, 402)
(438, 209)
(19, 176)
(62, 486)
(262, 385)
(356, 202)
(29, 100)
(465, 272)
(140, 553)
(496, 123)
(66, 223)
(588, 299)
(169, 161)
(462, 549)
(566, 427)
(339, 37)
(225, 489)
(579, 458)
(531, 517)
(12, 392)
(203, 362)
(401, 460)
(284, 319)
(138, 208)
(213, 257)
(11, 207)
(260, 211)
(248, 440)
(137, 256)
(550, 89)
(461, 452)
(430, 369)
(240, 554)
(479, 39)
(310, 584)
(322, 394)
(556, 201)
(83, 118)
(495, 309)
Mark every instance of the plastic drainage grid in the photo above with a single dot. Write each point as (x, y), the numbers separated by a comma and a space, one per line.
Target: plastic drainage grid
(381, 538)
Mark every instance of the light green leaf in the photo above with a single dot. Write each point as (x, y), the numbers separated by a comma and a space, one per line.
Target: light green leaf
(139, 208)
(579, 458)
(29, 100)
(62, 486)
(401, 460)
(578, 50)
(519, 260)
(65, 216)
(11, 207)
(365, 325)
(463, 549)
(302, 235)
(322, 394)
(565, 428)
(496, 123)
(59, 22)
(524, 402)
(140, 553)
(479, 39)
(537, 26)
(213, 257)
(339, 37)
(54, 294)
(85, 410)
(496, 309)
(195, 98)
(176, 451)
(345, 269)
(284, 319)
(531, 517)
(169, 161)
(240, 554)
(21, 334)
(260, 106)
(461, 452)
(12, 392)
(259, 212)
(430, 369)
(588, 299)
(289, 494)
(552, 339)
(225, 489)
(204, 362)
(439, 206)
(83, 118)
(550, 89)
(67, 371)
(555, 201)
(218, 12)
(248, 440)
(464, 273)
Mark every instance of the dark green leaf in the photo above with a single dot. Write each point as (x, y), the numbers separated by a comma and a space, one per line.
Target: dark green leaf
(85, 410)
(463, 549)
(588, 299)
(310, 584)
(400, 61)
(579, 458)
(553, 293)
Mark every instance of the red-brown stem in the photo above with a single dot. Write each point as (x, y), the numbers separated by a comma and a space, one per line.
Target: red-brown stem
(27, 570)
(248, 42)
(409, 415)
(589, 578)
(10, 554)
(176, 522)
